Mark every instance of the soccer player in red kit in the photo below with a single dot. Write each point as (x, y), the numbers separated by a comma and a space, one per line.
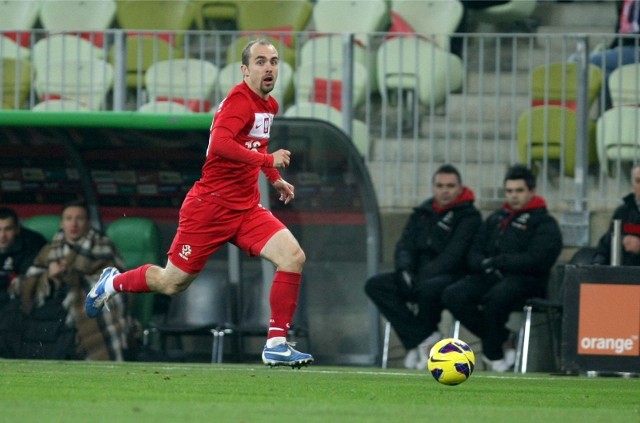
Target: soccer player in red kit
(223, 206)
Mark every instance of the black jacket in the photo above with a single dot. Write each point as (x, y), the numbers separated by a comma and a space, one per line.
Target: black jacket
(629, 214)
(435, 241)
(527, 241)
(627, 41)
(17, 258)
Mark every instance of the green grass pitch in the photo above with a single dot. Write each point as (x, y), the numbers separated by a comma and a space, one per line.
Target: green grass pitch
(49, 391)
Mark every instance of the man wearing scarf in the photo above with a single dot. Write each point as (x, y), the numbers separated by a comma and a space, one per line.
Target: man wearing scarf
(511, 259)
(429, 256)
(58, 281)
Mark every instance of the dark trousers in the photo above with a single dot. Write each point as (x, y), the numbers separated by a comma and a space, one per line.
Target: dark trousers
(390, 294)
(483, 304)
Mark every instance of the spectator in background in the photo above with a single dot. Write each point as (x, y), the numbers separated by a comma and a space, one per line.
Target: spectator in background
(622, 50)
(463, 27)
(511, 259)
(56, 285)
(629, 215)
(429, 256)
(18, 247)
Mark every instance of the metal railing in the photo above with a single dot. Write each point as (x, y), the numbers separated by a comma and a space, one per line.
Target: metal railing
(410, 105)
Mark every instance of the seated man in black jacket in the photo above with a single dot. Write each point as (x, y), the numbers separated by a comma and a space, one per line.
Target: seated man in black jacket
(629, 215)
(18, 248)
(429, 256)
(511, 259)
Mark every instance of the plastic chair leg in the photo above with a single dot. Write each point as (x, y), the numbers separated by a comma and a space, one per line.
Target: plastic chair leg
(217, 347)
(524, 335)
(455, 329)
(385, 346)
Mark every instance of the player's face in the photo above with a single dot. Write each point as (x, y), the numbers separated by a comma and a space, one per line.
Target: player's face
(517, 193)
(262, 72)
(8, 232)
(446, 188)
(635, 181)
(75, 223)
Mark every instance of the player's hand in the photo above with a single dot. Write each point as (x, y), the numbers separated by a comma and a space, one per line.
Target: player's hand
(281, 158)
(631, 244)
(285, 189)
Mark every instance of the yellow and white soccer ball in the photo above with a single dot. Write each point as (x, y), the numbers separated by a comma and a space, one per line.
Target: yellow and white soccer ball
(451, 361)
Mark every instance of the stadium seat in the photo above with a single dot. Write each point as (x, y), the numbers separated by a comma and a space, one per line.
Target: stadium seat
(187, 81)
(549, 133)
(90, 18)
(60, 105)
(19, 17)
(146, 43)
(321, 82)
(433, 19)
(414, 65)
(210, 14)
(16, 82)
(45, 224)
(512, 11)
(77, 15)
(198, 311)
(335, 18)
(360, 134)
(85, 81)
(618, 137)
(358, 16)
(330, 48)
(11, 49)
(58, 48)
(624, 85)
(557, 84)
(138, 241)
(231, 75)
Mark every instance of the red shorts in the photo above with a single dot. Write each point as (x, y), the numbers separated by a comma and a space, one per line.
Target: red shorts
(205, 227)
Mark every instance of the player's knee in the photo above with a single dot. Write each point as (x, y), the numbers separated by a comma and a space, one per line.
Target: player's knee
(174, 287)
(293, 261)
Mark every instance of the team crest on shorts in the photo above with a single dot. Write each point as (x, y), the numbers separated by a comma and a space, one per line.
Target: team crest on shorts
(186, 252)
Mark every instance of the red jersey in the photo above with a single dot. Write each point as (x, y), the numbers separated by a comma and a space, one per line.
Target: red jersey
(237, 150)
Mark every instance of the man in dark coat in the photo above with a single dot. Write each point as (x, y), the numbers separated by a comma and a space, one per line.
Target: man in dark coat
(511, 258)
(629, 215)
(18, 248)
(429, 256)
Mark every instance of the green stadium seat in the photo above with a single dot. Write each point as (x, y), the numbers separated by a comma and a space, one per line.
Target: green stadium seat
(45, 224)
(138, 241)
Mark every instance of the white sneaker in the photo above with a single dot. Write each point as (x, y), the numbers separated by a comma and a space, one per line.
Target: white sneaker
(425, 347)
(510, 357)
(499, 366)
(411, 359)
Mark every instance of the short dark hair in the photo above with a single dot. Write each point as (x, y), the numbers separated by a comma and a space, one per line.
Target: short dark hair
(447, 168)
(519, 171)
(75, 203)
(246, 52)
(7, 213)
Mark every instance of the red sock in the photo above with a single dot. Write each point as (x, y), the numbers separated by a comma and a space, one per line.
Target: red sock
(133, 280)
(283, 300)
